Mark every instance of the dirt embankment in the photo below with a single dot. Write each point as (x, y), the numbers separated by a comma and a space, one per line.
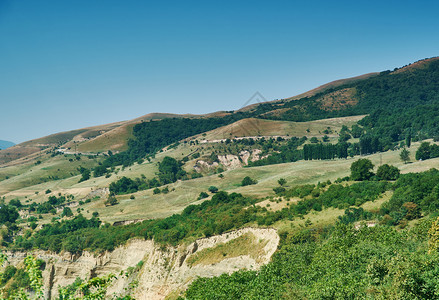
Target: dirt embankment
(153, 272)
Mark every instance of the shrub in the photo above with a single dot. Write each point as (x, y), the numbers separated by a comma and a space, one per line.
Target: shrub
(203, 195)
(388, 172)
(248, 181)
(213, 189)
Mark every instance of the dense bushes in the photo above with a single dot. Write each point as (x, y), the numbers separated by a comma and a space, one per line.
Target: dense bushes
(170, 170)
(421, 189)
(150, 137)
(222, 213)
(336, 263)
(387, 172)
(427, 151)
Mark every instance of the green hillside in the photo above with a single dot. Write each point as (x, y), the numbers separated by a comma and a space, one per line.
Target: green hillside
(346, 174)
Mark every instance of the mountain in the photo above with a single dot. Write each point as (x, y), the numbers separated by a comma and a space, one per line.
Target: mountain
(5, 144)
(256, 203)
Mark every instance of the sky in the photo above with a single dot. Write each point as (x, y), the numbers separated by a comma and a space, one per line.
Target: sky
(71, 64)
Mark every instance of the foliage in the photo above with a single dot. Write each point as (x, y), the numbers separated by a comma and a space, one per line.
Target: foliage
(213, 189)
(361, 169)
(149, 137)
(248, 181)
(421, 189)
(203, 195)
(353, 214)
(112, 200)
(170, 170)
(8, 214)
(85, 174)
(336, 263)
(405, 155)
(67, 212)
(282, 181)
(387, 172)
(427, 151)
(223, 212)
(325, 151)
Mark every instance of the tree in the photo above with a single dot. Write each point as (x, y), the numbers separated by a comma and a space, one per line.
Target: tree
(282, 181)
(111, 201)
(248, 181)
(85, 174)
(388, 172)
(67, 212)
(314, 140)
(203, 195)
(213, 189)
(408, 140)
(423, 152)
(405, 155)
(361, 169)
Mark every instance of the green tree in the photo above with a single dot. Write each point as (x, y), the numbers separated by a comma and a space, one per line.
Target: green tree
(247, 180)
(423, 152)
(408, 140)
(405, 155)
(111, 201)
(282, 181)
(361, 169)
(67, 212)
(213, 189)
(388, 172)
(85, 174)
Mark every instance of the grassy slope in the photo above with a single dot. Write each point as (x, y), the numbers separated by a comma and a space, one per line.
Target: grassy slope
(146, 205)
(261, 127)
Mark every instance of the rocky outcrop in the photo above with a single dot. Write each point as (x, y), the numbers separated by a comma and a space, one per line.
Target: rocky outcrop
(163, 269)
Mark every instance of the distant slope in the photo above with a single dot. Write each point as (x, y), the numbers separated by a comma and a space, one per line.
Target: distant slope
(6, 144)
(113, 136)
(385, 93)
(259, 127)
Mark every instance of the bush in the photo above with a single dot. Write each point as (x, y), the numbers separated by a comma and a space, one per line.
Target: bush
(111, 201)
(67, 212)
(248, 181)
(279, 190)
(388, 172)
(203, 195)
(213, 189)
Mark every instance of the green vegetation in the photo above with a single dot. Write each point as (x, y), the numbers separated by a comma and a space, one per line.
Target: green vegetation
(405, 155)
(427, 151)
(387, 172)
(247, 180)
(327, 151)
(338, 262)
(361, 169)
(222, 213)
(152, 136)
(170, 170)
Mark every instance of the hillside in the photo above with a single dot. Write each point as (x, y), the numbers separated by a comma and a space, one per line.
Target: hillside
(5, 144)
(342, 98)
(308, 197)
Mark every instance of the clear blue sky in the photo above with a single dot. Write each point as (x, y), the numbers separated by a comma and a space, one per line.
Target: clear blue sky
(71, 64)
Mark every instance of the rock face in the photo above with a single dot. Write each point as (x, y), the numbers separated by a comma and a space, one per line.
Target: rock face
(162, 270)
(230, 161)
